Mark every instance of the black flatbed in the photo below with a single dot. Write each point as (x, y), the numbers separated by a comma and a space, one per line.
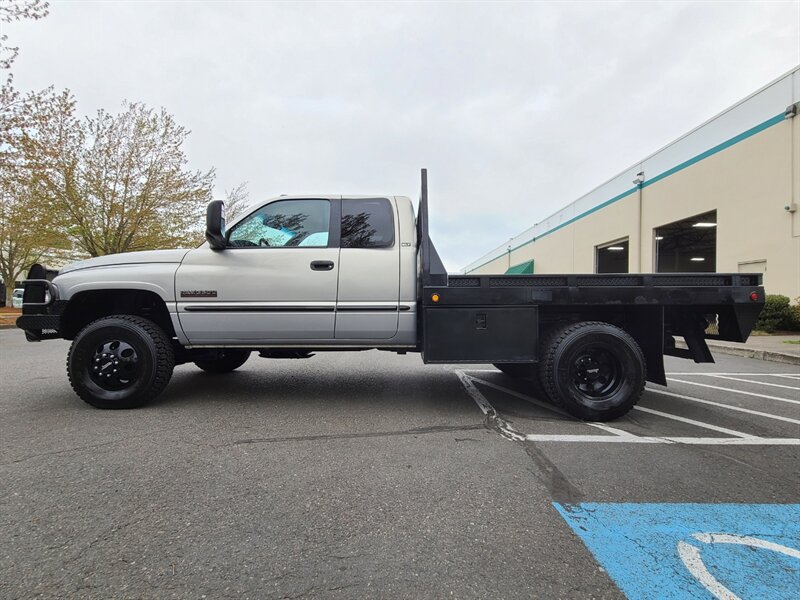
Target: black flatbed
(668, 289)
(500, 318)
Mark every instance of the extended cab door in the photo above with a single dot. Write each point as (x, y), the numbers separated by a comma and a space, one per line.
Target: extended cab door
(276, 281)
(369, 270)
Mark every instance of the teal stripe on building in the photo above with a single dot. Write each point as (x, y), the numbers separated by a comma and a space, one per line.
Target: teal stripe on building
(779, 118)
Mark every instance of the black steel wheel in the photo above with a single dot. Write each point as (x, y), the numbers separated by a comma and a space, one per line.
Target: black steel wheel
(224, 360)
(122, 361)
(115, 365)
(593, 370)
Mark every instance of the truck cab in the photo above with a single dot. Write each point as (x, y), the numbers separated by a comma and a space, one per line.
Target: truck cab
(298, 270)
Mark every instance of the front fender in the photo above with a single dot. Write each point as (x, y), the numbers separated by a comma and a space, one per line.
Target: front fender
(158, 278)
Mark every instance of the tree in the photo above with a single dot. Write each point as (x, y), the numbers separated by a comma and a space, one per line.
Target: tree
(120, 182)
(23, 234)
(27, 232)
(100, 185)
(15, 107)
(236, 201)
(16, 10)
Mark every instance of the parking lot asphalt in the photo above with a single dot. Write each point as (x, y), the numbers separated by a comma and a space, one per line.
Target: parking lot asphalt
(373, 475)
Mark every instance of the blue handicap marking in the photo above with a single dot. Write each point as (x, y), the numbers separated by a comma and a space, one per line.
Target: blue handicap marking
(724, 551)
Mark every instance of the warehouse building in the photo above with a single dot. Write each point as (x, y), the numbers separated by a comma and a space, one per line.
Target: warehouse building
(724, 197)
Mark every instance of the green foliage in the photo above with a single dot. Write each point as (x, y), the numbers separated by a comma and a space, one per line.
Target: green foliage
(777, 314)
(794, 322)
(120, 182)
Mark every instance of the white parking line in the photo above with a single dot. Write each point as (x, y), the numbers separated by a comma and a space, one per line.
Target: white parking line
(618, 435)
(726, 406)
(551, 407)
(767, 383)
(734, 391)
(476, 395)
(635, 439)
(613, 430)
(693, 422)
(789, 375)
(532, 400)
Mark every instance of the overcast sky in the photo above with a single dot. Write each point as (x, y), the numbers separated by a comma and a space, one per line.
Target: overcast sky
(515, 109)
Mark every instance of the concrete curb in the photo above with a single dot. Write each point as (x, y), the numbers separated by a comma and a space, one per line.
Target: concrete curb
(768, 355)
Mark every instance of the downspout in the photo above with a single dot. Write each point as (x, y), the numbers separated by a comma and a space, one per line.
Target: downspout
(794, 171)
(639, 181)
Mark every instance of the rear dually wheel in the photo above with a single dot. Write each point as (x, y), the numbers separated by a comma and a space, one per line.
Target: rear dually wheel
(595, 371)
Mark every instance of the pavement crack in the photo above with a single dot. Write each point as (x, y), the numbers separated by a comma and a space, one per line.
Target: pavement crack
(55, 452)
(82, 448)
(360, 435)
(561, 489)
(305, 592)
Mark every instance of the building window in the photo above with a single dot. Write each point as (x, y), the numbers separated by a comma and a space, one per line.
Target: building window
(612, 257)
(687, 246)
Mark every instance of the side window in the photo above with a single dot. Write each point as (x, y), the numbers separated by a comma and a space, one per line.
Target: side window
(367, 223)
(285, 223)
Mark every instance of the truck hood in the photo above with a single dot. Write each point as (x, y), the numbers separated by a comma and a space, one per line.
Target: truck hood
(128, 258)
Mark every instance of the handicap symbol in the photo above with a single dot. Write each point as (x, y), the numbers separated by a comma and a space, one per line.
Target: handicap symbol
(691, 551)
(690, 556)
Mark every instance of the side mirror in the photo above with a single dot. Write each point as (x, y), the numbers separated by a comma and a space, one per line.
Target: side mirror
(215, 225)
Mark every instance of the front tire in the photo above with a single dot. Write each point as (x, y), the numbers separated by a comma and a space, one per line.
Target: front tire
(593, 370)
(225, 361)
(121, 361)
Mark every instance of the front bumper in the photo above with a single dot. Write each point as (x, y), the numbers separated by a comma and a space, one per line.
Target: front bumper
(40, 327)
(41, 307)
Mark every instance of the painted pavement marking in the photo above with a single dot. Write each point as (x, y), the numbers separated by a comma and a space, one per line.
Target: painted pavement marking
(766, 383)
(693, 422)
(617, 435)
(692, 558)
(676, 551)
(789, 375)
(734, 391)
(726, 406)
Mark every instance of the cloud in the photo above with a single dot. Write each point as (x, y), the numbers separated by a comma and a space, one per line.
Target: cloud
(516, 109)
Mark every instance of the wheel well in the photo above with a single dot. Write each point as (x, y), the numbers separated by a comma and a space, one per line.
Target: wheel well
(85, 307)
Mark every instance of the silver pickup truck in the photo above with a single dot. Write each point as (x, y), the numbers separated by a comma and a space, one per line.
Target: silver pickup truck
(303, 274)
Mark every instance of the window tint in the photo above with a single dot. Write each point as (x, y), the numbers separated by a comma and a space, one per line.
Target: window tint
(300, 223)
(367, 224)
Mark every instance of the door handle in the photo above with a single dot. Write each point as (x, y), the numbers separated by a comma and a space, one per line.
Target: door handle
(321, 265)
